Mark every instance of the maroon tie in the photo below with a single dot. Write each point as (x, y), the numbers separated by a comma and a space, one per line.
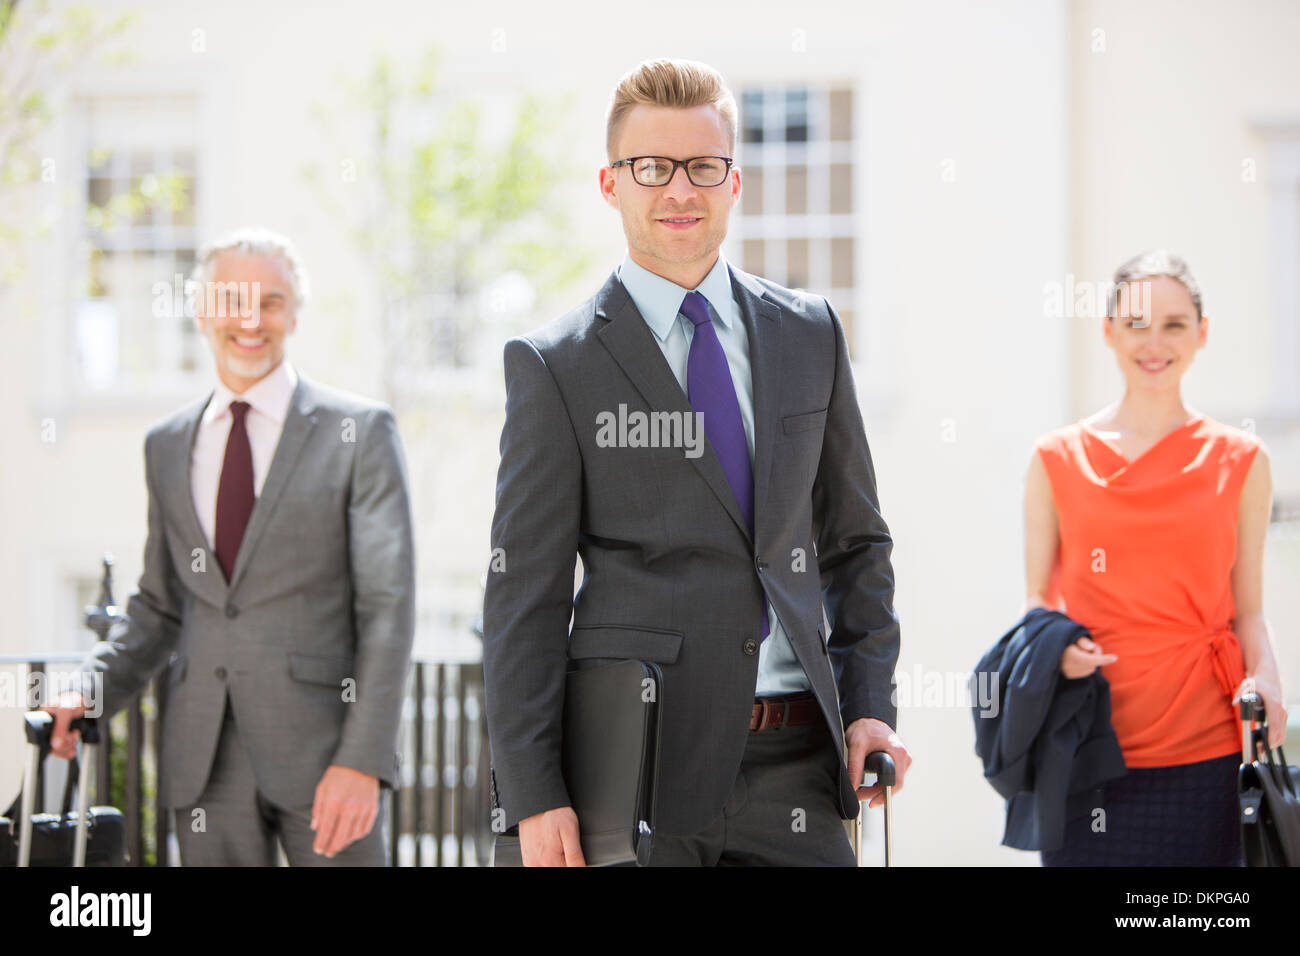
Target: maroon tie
(235, 493)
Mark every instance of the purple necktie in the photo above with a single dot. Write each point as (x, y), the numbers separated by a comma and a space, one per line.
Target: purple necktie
(234, 491)
(710, 391)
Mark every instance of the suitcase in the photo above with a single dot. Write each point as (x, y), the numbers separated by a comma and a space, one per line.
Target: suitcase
(92, 836)
(882, 765)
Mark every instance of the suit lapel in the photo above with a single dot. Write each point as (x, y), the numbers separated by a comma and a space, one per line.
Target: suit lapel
(174, 469)
(298, 425)
(762, 321)
(629, 340)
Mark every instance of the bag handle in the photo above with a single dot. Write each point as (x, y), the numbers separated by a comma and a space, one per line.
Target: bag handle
(1254, 712)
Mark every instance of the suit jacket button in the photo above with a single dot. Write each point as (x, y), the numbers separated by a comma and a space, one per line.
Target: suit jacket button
(221, 673)
(750, 646)
(232, 611)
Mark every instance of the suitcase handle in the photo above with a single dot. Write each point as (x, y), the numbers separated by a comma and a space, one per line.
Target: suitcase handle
(1252, 708)
(39, 725)
(882, 765)
(1254, 737)
(1254, 726)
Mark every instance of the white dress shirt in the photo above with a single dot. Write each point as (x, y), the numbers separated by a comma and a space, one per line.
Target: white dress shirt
(659, 300)
(269, 404)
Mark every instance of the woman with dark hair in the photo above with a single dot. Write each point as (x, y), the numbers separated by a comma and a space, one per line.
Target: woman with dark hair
(1145, 522)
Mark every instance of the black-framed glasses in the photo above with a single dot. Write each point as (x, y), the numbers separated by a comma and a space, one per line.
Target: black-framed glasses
(659, 170)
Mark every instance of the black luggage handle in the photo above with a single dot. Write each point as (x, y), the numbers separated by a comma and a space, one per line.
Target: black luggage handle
(39, 725)
(1254, 726)
(1255, 738)
(881, 764)
(1252, 708)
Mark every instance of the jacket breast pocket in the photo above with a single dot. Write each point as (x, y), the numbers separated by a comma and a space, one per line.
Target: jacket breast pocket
(806, 421)
(326, 671)
(624, 641)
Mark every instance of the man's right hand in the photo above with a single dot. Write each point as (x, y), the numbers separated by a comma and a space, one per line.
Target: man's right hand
(68, 707)
(551, 839)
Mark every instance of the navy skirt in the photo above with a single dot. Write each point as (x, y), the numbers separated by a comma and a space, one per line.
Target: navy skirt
(1185, 815)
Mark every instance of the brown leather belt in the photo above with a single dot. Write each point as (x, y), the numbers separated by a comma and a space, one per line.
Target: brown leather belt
(793, 710)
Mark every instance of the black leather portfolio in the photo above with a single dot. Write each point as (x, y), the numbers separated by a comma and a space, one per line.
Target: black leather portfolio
(610, 760)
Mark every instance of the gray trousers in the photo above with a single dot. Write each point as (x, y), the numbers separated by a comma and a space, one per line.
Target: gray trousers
(240, 827)
(783, 809)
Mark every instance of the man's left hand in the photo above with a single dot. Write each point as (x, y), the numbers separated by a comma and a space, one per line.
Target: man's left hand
(346, 805)
(867, 735)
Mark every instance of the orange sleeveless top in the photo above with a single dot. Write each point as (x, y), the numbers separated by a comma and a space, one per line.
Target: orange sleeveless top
(1145, 561)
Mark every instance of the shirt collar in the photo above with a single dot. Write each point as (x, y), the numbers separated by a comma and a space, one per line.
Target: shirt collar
(271, 396)
(659, 299)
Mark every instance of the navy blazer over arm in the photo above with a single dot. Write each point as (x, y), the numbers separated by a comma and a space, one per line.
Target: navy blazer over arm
(1049, 743)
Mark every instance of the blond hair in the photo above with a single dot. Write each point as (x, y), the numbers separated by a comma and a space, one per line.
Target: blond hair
(677, 83)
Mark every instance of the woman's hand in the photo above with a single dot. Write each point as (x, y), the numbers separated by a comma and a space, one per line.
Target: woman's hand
(1083, 657)
(1268, 687)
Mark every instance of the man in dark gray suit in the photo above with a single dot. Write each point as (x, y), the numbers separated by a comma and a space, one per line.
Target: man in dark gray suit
(278, 589)
(718, 559)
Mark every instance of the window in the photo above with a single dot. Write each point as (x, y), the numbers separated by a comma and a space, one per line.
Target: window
(130, 328)
(797, 217)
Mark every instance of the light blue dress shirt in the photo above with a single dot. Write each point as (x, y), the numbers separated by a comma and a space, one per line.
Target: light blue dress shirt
(659, 301)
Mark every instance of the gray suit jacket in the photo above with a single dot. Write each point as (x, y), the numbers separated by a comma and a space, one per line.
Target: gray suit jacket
(322, 593)
(670, 571)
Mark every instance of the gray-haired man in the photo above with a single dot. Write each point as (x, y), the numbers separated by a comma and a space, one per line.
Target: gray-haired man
(278, 589)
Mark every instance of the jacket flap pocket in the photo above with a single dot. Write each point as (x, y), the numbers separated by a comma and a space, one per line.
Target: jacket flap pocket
(626, 642)
(800, 423)
(330, 671)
